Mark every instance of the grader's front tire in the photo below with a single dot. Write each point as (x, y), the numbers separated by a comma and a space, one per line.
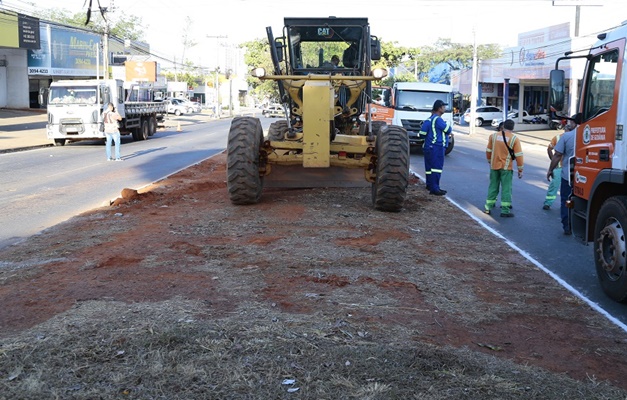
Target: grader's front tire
(392, 169)
(278, 130)
(378, 126)
(242, 160)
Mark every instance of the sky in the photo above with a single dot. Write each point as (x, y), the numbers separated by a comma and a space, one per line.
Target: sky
(410, 23)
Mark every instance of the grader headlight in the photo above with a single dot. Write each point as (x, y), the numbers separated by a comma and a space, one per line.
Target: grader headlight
(259, 72)
(379, 73)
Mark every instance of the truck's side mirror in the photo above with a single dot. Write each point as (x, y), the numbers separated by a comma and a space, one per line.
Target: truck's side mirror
(387, 97)
(375, 48)
(556, 86)
(42, 94)
(106, 96)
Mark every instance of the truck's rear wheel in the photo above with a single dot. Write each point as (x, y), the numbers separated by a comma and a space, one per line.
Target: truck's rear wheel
(392, 169)
(136, 133)
(610, 248)
(59, 142)
(451, 144)
(152, 125)
(145, 130)
(278, 130)
(242, 160)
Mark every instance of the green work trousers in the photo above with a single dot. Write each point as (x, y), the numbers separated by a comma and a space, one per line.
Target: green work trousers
(500, 179)
(554, 186)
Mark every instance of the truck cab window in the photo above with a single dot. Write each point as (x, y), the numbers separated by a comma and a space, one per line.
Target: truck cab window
(600, 84)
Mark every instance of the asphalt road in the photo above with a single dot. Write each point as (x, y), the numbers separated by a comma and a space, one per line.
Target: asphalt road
(533, 231)
(46, 186)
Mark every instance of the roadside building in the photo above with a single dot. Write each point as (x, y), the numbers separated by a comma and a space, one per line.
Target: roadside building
(18, 34)
(33, 53)
(528, 66)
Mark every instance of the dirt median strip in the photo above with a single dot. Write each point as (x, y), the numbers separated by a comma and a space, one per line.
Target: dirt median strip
(178, 293)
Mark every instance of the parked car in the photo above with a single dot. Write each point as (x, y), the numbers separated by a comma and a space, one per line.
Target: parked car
(483, 114)
(176, 108)
(511, 115)
(189, 106)
(197, 106)
(274, 111)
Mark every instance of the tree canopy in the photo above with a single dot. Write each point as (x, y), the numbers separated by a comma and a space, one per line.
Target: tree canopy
(124, 26)
(410, 64)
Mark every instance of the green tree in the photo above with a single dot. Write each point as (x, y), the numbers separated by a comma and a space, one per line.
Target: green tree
(257, 55)
(187, 41)
(392, 55)
(457, 56)
(192, 74)
(121, 26)
(411, 63)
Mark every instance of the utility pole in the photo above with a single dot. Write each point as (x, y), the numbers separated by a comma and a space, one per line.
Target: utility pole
(217, 70)
(473, 89)
(577, 4)
(105, 60)
(229, 74)
(573, 84)
(105, 45)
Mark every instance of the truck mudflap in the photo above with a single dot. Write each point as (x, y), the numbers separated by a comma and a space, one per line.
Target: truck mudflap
(299, 177)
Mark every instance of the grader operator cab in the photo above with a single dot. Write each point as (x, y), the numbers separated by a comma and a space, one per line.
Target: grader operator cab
(323, 68)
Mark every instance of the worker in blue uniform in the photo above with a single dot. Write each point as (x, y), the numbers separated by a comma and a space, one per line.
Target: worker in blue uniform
(435, 132)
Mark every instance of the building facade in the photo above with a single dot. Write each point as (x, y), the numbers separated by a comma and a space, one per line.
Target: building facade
(526, 69)
(34, 53)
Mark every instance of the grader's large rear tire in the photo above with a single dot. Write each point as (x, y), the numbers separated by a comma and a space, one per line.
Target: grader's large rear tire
(242, 160)
(392, 169)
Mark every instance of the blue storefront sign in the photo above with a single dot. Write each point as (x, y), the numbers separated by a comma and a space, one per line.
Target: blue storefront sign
(64, 52)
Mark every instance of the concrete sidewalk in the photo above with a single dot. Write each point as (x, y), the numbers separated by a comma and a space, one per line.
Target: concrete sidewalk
(26, 129)
(539, 137)
(22, 129)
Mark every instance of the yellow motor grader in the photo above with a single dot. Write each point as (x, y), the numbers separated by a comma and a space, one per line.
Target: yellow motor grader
(323, 67)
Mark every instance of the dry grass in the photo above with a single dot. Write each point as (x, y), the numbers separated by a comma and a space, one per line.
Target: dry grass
(166, 351)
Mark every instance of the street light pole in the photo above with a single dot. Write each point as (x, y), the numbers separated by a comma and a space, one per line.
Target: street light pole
(217, 69)
(475, 82)
(229, 74)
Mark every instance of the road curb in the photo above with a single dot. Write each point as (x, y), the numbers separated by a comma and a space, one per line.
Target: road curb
(18, 149)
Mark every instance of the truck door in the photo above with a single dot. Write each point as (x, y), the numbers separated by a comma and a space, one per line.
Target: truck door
(596, 135)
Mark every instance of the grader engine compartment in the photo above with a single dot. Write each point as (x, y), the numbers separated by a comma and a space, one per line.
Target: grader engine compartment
(324, 73)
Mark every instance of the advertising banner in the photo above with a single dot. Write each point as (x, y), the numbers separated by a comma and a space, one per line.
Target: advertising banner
(141, 71)
(18, 31)
(64, 52)
(28, 29)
